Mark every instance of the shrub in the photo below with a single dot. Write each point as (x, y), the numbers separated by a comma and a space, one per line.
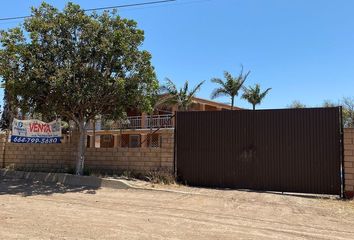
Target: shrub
(160, 177)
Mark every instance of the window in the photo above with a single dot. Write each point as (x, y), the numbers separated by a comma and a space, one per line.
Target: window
(134, 140)
(124, 140)
(107, 141)
(88, 141)
(153, 140)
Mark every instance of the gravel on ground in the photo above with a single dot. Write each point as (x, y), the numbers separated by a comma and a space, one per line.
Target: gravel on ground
(33, 210)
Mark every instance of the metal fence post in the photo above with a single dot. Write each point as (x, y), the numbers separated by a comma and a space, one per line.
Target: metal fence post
(341, 152)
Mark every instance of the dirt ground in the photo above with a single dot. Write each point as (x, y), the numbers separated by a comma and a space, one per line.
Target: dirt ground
(31, 210)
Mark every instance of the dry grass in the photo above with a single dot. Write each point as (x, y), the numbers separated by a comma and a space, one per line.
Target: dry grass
(160, 177)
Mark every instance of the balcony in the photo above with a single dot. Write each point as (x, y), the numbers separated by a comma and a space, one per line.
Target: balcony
(139, 122)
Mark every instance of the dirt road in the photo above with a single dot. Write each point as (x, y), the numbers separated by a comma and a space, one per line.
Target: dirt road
(35, 211)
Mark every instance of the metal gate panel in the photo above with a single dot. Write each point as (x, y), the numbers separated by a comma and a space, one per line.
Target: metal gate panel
(288, 150)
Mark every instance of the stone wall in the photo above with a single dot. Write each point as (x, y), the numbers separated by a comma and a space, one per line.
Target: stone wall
(349, 161)
(61, 157)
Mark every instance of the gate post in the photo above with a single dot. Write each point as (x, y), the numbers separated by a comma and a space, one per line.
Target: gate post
(341, 152)
(175, 146)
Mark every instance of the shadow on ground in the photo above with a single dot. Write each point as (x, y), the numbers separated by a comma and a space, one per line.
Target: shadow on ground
(299, 195)
(292, 194)
(30, 188)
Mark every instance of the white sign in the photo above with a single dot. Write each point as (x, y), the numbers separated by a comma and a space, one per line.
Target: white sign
(35, 131)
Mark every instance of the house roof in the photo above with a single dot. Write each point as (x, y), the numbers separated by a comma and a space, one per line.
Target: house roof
(213, 103)
(210, 103)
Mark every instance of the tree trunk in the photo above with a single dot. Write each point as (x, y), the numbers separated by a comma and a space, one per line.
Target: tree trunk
(254, 106)
(94, 133)
(80, 159)
(4, 148)
(150, 137)
(232, 102)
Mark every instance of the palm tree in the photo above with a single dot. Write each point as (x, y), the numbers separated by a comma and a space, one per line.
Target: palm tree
(254, 95)
(183, 97)
(230, 87)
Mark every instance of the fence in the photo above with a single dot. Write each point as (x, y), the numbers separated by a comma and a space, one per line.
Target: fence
(349, 161)
(61, 157)
(290, 150)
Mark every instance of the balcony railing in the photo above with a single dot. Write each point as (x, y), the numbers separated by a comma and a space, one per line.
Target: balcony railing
(154, 121)
(159, 121)
(130, 123)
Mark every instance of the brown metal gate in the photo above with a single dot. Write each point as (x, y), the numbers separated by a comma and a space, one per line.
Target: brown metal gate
(287, 150)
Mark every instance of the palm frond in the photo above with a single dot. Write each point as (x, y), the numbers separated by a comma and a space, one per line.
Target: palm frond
(253, 94)
(246, 93)
(246, 76)
(228, 77)
(166, 99)
(244, 89)
(241, 71)
(218, 92)
(231, 85)
(196, 88)
(185, 88)
(181, 97)
(188, 99)
(265, 93)
(218, 81)
(169, 87)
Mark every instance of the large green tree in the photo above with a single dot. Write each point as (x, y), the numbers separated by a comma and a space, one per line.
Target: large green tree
(254, 95)
(230, 87)
(77, 65)
(182, 98)
(7, 113)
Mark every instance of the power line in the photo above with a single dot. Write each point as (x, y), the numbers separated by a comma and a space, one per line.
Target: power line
(13, 18)
(129, 5)
(102, 8)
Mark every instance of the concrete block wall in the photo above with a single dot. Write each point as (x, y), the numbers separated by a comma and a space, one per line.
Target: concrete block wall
(61, 157)
(349, 161)
(134, 159)
(39, 157)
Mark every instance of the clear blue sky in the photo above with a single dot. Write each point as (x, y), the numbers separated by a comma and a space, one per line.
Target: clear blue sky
(303, 49)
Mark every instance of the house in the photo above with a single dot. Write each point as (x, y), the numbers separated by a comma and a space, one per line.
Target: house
(143, 130)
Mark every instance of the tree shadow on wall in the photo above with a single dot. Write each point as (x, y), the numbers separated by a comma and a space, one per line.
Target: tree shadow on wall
(27, 188)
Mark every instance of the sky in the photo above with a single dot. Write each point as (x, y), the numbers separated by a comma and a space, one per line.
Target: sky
(303, 50)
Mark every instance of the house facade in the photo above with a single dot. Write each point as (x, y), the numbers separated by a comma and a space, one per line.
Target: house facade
(140, 129)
